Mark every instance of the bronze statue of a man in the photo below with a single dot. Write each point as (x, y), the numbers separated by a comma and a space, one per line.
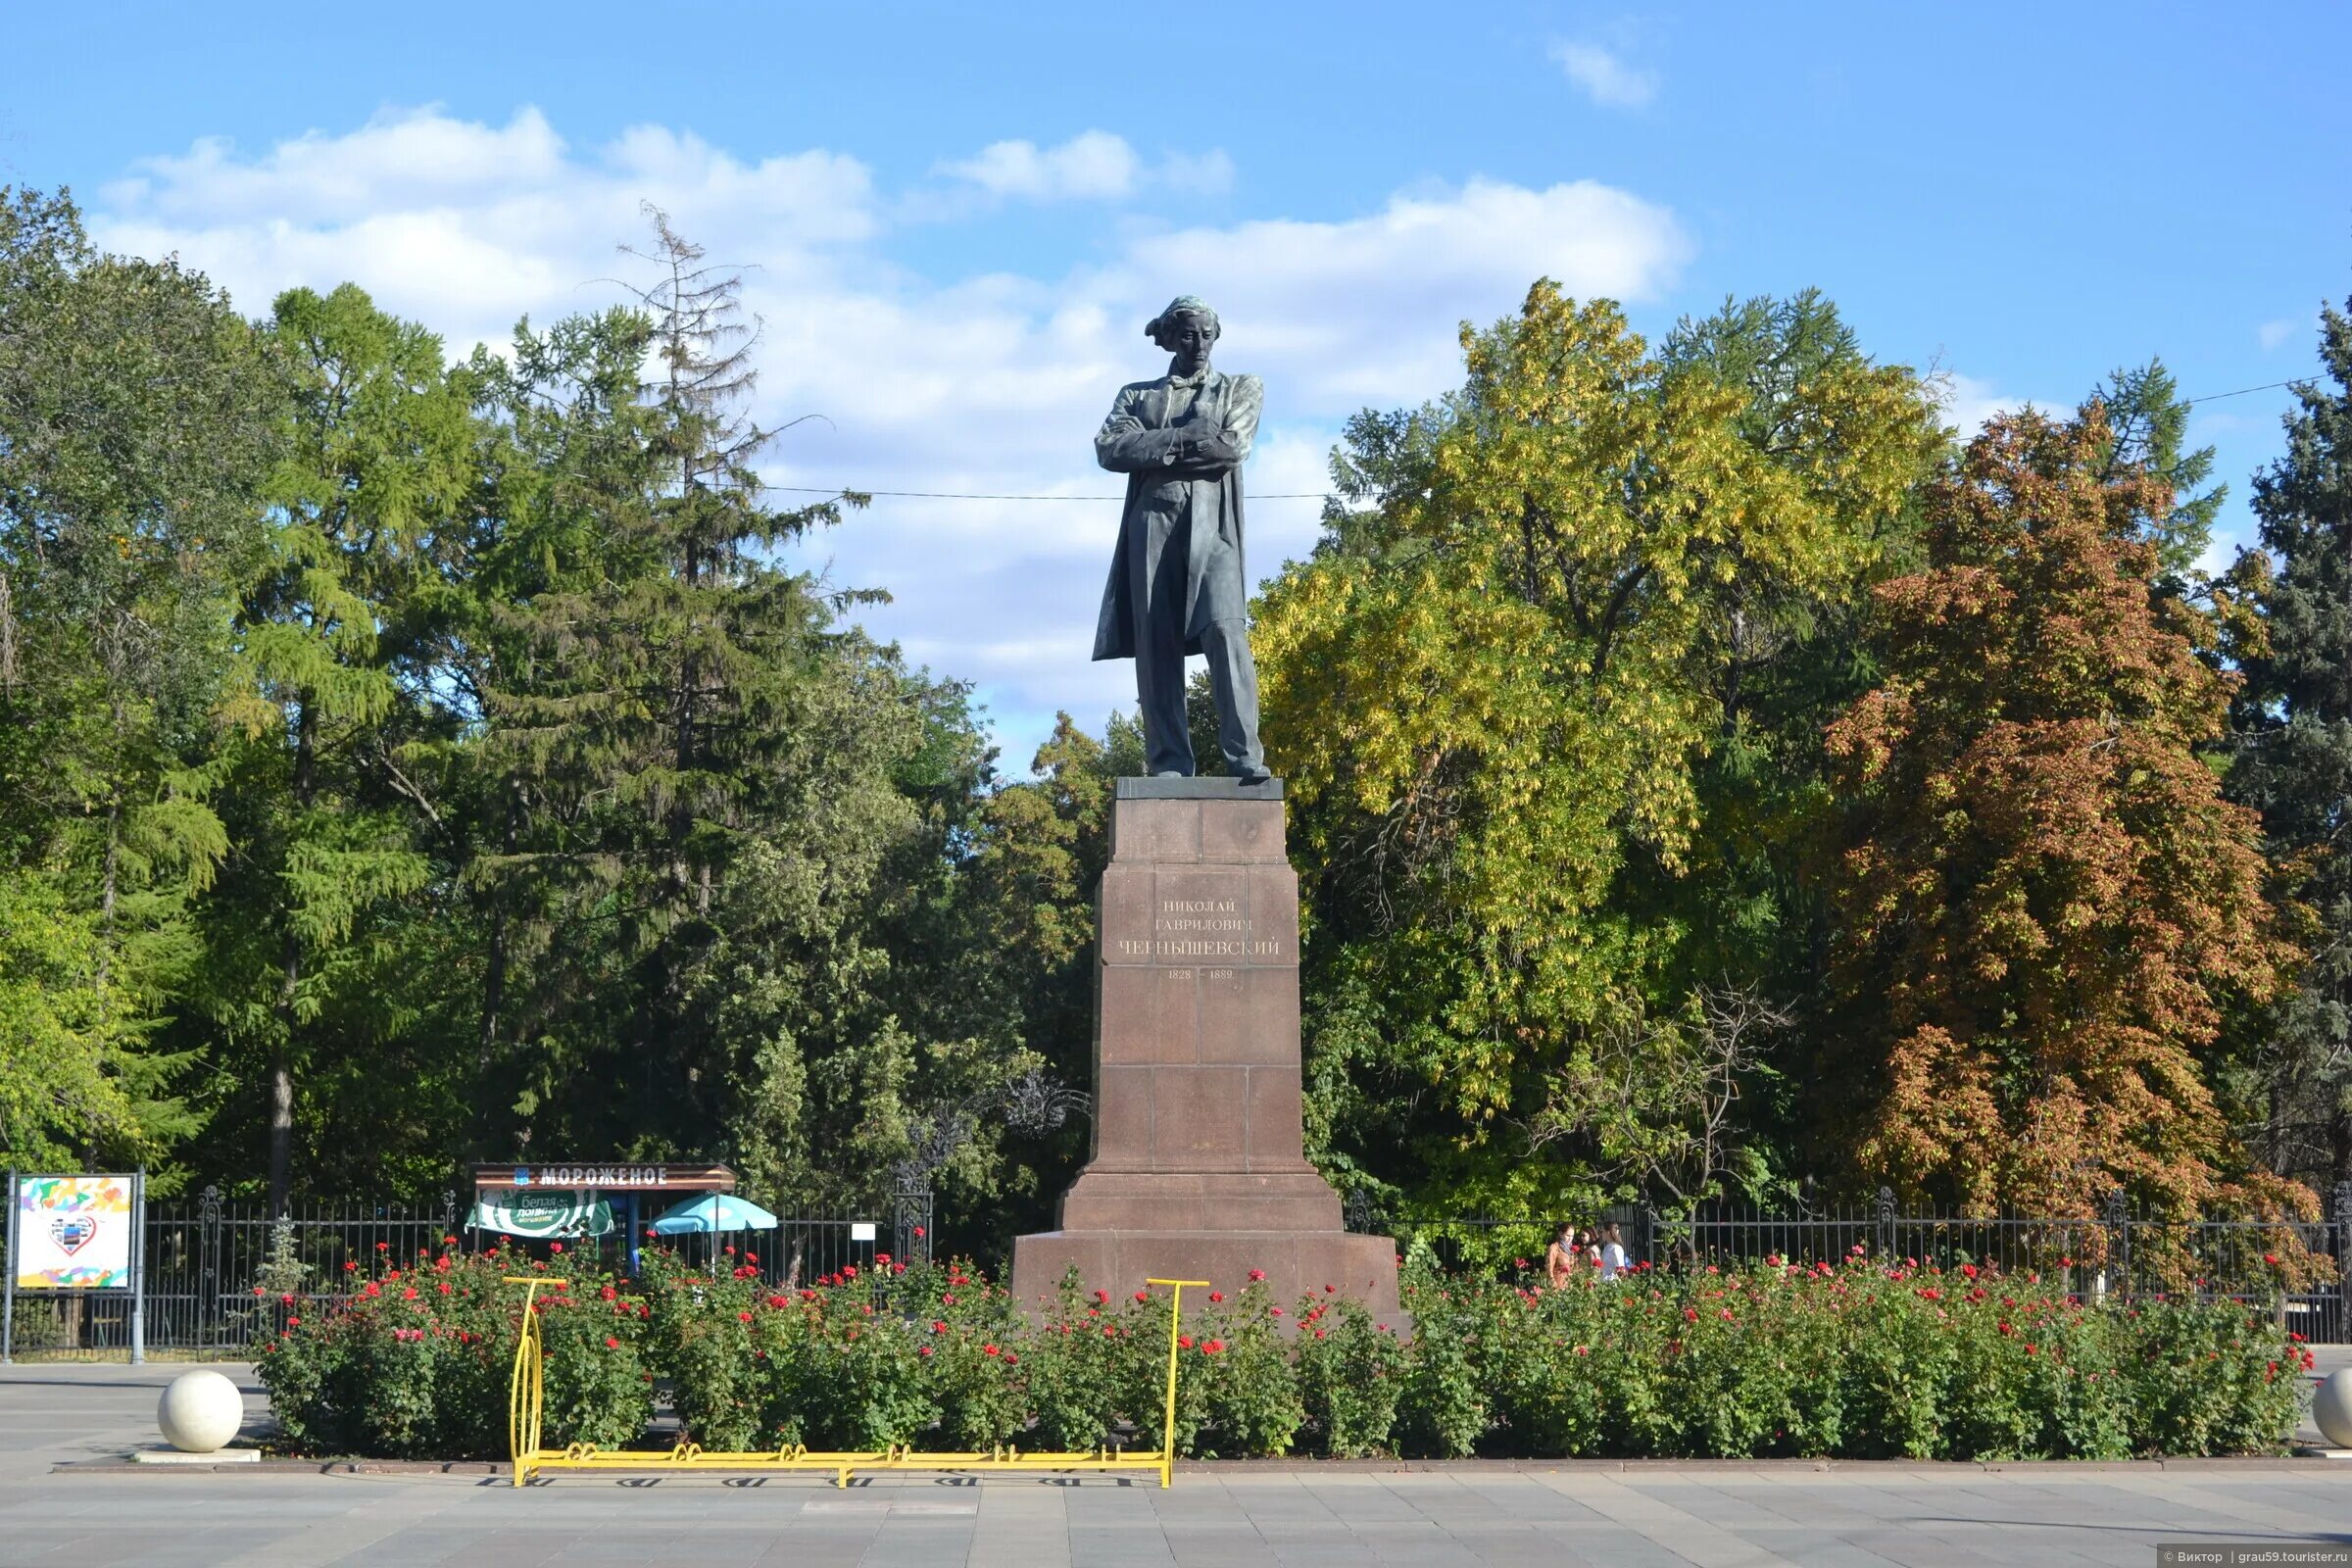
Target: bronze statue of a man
(1177, 585)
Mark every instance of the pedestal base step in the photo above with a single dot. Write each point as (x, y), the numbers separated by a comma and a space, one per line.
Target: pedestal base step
(1296, 1263)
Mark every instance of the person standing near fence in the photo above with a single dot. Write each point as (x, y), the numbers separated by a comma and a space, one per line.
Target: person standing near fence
(1612, 1253)
(1562, 1255)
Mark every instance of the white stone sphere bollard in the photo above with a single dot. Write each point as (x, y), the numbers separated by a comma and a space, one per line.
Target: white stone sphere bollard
(2331, 1407)
(200, 1411)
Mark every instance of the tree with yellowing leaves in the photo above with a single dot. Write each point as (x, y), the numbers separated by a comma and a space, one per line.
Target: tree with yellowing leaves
(2043, 901)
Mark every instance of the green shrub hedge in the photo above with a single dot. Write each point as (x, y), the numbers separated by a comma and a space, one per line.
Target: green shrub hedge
(1854, 1359)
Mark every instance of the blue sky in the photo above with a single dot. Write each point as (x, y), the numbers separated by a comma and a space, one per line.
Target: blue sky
(959, 219)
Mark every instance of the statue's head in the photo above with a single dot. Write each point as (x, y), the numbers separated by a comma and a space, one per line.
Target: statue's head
(1188, 328)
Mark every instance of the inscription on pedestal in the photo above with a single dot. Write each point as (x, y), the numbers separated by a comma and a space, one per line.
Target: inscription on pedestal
(1200, 929)
(1197, 1157)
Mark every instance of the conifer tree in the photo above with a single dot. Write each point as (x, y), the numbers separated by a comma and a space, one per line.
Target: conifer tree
(698, 757)
(2148, 426)
(378, 466)
(2295, 761)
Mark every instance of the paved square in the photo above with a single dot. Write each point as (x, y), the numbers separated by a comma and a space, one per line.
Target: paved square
(1219, 1516)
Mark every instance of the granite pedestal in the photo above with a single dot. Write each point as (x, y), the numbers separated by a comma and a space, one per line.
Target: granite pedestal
(1196, 1169)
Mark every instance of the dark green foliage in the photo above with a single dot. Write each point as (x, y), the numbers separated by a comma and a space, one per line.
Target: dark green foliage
(2294, 762)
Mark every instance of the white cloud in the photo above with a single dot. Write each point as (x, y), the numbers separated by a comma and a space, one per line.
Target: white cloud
(2274, 334)
(1094, 165)
(991, 382)
(1603, 78)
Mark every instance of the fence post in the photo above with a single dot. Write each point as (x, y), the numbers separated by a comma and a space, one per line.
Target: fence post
(8, 1292)
(207, 1266)
(911, 1217)
(2119, 1252)
(1885, 1217)
(2343, 1261)
(138, 1268)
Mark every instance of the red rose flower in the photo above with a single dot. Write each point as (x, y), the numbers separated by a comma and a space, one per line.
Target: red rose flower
(555, 1246)
(923, 1351)
(1216, 1295)
(1143, 1296)
(1257, 1274)
(612, 1344)
(988, 1349)
(744, 1316)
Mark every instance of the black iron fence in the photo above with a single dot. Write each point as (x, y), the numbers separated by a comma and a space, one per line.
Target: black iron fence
(221, 1274)
(2297, 1268)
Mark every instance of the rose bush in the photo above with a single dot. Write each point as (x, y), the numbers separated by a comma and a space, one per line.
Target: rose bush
(1854, 1358)
(414, 1362)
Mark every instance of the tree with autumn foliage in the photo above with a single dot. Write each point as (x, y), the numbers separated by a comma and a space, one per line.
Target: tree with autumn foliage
(2043, 901)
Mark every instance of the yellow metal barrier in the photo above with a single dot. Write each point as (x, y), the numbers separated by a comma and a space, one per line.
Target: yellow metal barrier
(526, 1391)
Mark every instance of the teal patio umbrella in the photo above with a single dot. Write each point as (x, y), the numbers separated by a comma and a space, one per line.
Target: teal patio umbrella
(711, 1214)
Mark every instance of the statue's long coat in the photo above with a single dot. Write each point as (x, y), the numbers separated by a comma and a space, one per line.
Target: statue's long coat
(1149, 422)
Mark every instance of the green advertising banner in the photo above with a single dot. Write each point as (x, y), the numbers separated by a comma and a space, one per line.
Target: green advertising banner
(543, 1214)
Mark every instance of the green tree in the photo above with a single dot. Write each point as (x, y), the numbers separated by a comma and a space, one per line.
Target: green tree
(2294, 763)
(1787, 660)
(2148, 426)
(1491, 690)
(138, 417)
(2043, 903)
(712, 803)
(377, 469)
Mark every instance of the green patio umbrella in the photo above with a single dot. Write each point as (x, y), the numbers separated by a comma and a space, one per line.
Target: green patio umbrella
(711, 1214)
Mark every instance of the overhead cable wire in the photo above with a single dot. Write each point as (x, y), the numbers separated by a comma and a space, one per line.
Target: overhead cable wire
(961, 495)
(1279, 495)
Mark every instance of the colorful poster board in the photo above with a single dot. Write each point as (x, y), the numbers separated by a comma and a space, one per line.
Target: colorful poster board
(543, 1214)
(74, 1233)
